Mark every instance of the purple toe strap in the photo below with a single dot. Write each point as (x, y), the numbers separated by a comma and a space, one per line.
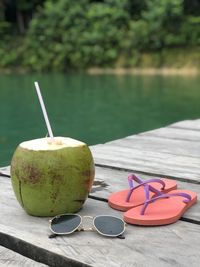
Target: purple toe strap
(186, 200)
(133, 177)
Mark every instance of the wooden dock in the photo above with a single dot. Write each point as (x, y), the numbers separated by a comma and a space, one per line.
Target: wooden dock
(172, 151)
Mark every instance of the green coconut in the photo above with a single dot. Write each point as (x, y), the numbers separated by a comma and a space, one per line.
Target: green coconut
(51, 178)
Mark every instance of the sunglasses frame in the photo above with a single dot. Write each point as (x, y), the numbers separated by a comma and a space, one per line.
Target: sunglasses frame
(81, 228)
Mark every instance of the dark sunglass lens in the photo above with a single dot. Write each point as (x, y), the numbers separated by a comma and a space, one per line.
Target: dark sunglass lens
(108, 225)
(65, 223)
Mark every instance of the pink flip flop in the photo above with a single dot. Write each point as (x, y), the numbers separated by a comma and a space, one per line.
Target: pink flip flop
(161, 209)
(135, 196)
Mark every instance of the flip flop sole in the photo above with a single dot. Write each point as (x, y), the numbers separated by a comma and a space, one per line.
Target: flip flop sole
(118, 201)
(161, 212)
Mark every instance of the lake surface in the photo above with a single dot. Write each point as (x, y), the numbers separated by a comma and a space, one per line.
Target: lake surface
(92, 108)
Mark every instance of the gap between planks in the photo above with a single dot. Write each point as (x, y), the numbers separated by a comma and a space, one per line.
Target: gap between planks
(151, 174)
(133, 170)
(38, 254)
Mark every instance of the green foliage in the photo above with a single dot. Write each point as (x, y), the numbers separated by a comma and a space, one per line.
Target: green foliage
(191, 30)
(4, 29)
(75, 34)
(191, 7)
(159, 25)
(59, 35)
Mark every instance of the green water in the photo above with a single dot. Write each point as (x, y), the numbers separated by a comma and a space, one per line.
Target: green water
(94, 109)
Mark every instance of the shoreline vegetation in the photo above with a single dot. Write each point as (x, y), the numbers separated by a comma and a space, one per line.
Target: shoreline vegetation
(165, 71)
(145, 71)
(175, 61)
(100, 36)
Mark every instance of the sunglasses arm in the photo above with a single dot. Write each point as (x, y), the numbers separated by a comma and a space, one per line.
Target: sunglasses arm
(121, 236)
(89, 229)
(53, 235)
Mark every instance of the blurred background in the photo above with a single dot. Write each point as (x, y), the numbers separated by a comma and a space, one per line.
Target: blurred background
(107, 69)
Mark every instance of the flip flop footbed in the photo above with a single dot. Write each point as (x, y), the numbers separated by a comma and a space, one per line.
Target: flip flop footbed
(118, 201)
(162, 211)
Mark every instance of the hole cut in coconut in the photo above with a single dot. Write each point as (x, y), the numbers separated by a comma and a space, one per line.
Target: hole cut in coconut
(47, 143)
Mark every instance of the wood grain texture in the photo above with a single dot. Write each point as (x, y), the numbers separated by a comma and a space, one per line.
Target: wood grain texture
(176, 244)
(161, 164)
(159, 144)
(9, 258)
(168, 151)
(174, 133)
(187, 124)
(5, 171)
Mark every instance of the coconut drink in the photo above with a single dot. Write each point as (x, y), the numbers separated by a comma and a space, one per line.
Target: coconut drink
(52, 175)
(50, 179)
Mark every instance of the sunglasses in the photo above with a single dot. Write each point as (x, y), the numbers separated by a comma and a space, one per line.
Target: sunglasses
(105, 225)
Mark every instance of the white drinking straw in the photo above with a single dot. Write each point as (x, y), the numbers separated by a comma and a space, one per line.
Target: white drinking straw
(44, 111)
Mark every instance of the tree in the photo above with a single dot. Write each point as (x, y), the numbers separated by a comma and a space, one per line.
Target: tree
(19, 12)
(76, 34)
(159, 25)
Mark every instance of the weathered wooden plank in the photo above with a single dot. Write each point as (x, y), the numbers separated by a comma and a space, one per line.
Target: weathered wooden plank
(176, 244)
(177, 156)
(148, 143)
(5, 171)
(174, 133)
(187, 124)
(178, 167)
(9, 258)
(109, 180)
